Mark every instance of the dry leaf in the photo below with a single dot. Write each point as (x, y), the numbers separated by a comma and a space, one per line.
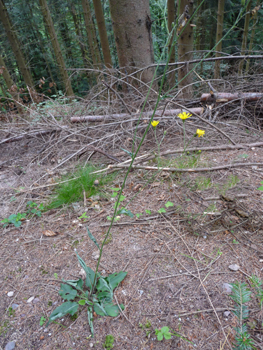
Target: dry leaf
(50, 233)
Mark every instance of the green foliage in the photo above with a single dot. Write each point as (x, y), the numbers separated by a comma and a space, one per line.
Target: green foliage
(96, 292)
(42, 320)
(261, 187)
(256, 284)
(122, 210)
(164, 332)
(33, 208)
(14, 219)
(241, 295)
(109, 340)
(72, 190)
(146, 327)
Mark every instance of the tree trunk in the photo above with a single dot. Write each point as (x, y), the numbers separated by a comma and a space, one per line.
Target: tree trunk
(185, 49)
(12, 88)
(91, 33)
(245, 34)
(56, 47)
(79, 35)
(11, 34)
(133, 36)
(252, 33)
(103, 32)
(171, 17)
(219, 35)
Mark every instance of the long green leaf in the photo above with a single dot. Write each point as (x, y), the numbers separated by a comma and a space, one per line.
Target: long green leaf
(90, 318)
(99, 309)
(90, 274)
(68, 307)
(92, 238)
(115, 278)
(78, 284)
(113, 310)
(67, 292)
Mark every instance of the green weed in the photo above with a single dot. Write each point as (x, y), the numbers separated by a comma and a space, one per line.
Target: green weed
(109, 341)
(76, 183)
(96, 292)
(203, 182)
(14, 219)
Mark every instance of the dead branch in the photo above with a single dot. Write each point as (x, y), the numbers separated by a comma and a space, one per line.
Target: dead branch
(27, 134)
(145, 115)
(227, 166)
(226, 96)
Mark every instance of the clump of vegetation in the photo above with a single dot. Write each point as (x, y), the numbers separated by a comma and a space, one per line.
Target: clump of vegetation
(241, 295)
(72, 186)
(96, 292)
(109, 340)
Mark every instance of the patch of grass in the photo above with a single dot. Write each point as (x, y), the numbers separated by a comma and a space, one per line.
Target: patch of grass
(203, 182)
(78, 182)
(231, 182)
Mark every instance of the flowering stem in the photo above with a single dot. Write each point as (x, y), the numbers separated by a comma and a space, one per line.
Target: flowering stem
(158, 144)
(184, 135)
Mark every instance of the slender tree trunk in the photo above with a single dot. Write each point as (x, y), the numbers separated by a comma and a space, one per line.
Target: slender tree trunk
(185, 50)
(91, 33)
(78, 35)
(252, 33)
(56, 47)
(245, 34)
(219, 35)
(11, 34)
(103, 32)
(12, 88)
(171, 17)
(133, 36)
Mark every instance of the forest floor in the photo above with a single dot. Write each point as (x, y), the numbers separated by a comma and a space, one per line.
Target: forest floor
(178, 262)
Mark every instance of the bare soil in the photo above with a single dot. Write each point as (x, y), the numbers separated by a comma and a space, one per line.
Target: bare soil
(177, 262)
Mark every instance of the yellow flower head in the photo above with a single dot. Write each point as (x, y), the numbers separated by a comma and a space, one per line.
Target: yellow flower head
(184, 115)
(200, 133)
(155, 123)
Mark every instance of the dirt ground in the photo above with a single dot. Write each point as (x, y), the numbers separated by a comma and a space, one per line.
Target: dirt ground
(177, 262)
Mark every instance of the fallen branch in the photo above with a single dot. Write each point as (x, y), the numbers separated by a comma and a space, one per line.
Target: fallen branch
(220, 167)
(147, 115)
(35, 133)
(226, 96)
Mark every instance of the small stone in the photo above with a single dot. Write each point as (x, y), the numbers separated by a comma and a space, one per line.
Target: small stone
(30, 300)
(156, 249)
(234, 267)
(45, 330)
(10, 294)
(226, 313)
(227, 288)
(36, 300)
(140, 291)
(91, 345)
(14, 306)
(10, 346)
(41, 337)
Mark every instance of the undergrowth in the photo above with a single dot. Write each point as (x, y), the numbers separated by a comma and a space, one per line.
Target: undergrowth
(72, 186)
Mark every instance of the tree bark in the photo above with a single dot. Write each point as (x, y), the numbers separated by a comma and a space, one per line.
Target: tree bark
(171, 18)
(185, 51)
(252, 33)
(103, 32)
(133, 36)
(12, 37)
(56, 47)
(11, 86)
(219, 35)
(92, 40)
(244, 39)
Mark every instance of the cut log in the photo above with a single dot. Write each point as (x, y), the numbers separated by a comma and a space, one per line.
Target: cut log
(145, 115)
(226, 96)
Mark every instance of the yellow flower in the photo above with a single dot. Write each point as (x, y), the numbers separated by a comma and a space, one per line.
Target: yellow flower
(184, 115)
(200, 133)
(155, 123)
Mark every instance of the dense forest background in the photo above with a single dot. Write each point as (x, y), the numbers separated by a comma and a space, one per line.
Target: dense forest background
(80, 41)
